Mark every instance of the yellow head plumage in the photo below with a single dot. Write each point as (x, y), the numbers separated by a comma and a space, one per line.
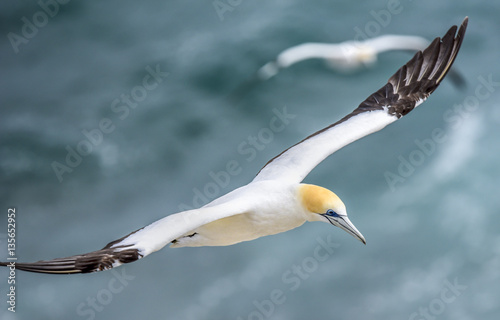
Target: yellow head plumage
(317, 199)
(321, 204)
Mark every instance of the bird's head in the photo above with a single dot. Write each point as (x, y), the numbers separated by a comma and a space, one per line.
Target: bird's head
(323, 205)
(366, 55)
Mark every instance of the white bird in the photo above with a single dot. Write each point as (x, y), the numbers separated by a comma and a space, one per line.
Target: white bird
(345, 56)
(276, 200)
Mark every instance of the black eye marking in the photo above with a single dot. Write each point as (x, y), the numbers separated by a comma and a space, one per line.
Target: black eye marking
(331, 213)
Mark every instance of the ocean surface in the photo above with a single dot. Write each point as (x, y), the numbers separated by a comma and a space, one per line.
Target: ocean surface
(114, 114)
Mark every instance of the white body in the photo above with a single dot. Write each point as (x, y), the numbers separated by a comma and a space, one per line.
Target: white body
(274, 208)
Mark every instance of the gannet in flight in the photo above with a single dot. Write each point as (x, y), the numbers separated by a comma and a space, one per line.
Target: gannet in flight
(275, 200)
(346, 56)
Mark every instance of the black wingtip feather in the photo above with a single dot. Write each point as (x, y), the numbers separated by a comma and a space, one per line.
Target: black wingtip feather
(99, 260)
(85, 263)
(418, 78)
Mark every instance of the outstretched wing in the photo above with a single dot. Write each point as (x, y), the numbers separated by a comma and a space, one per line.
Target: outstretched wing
(397, 42)
(405, 90)
(310, 50)
(301, 52)
(287, 58)
(137, 244)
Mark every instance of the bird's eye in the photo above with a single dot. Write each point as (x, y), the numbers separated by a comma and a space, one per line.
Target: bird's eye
(332, 213)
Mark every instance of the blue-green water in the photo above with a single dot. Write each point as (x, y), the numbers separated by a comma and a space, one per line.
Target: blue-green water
(85, 67)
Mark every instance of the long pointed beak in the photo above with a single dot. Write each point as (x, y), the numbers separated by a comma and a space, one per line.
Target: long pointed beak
(345, 224)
